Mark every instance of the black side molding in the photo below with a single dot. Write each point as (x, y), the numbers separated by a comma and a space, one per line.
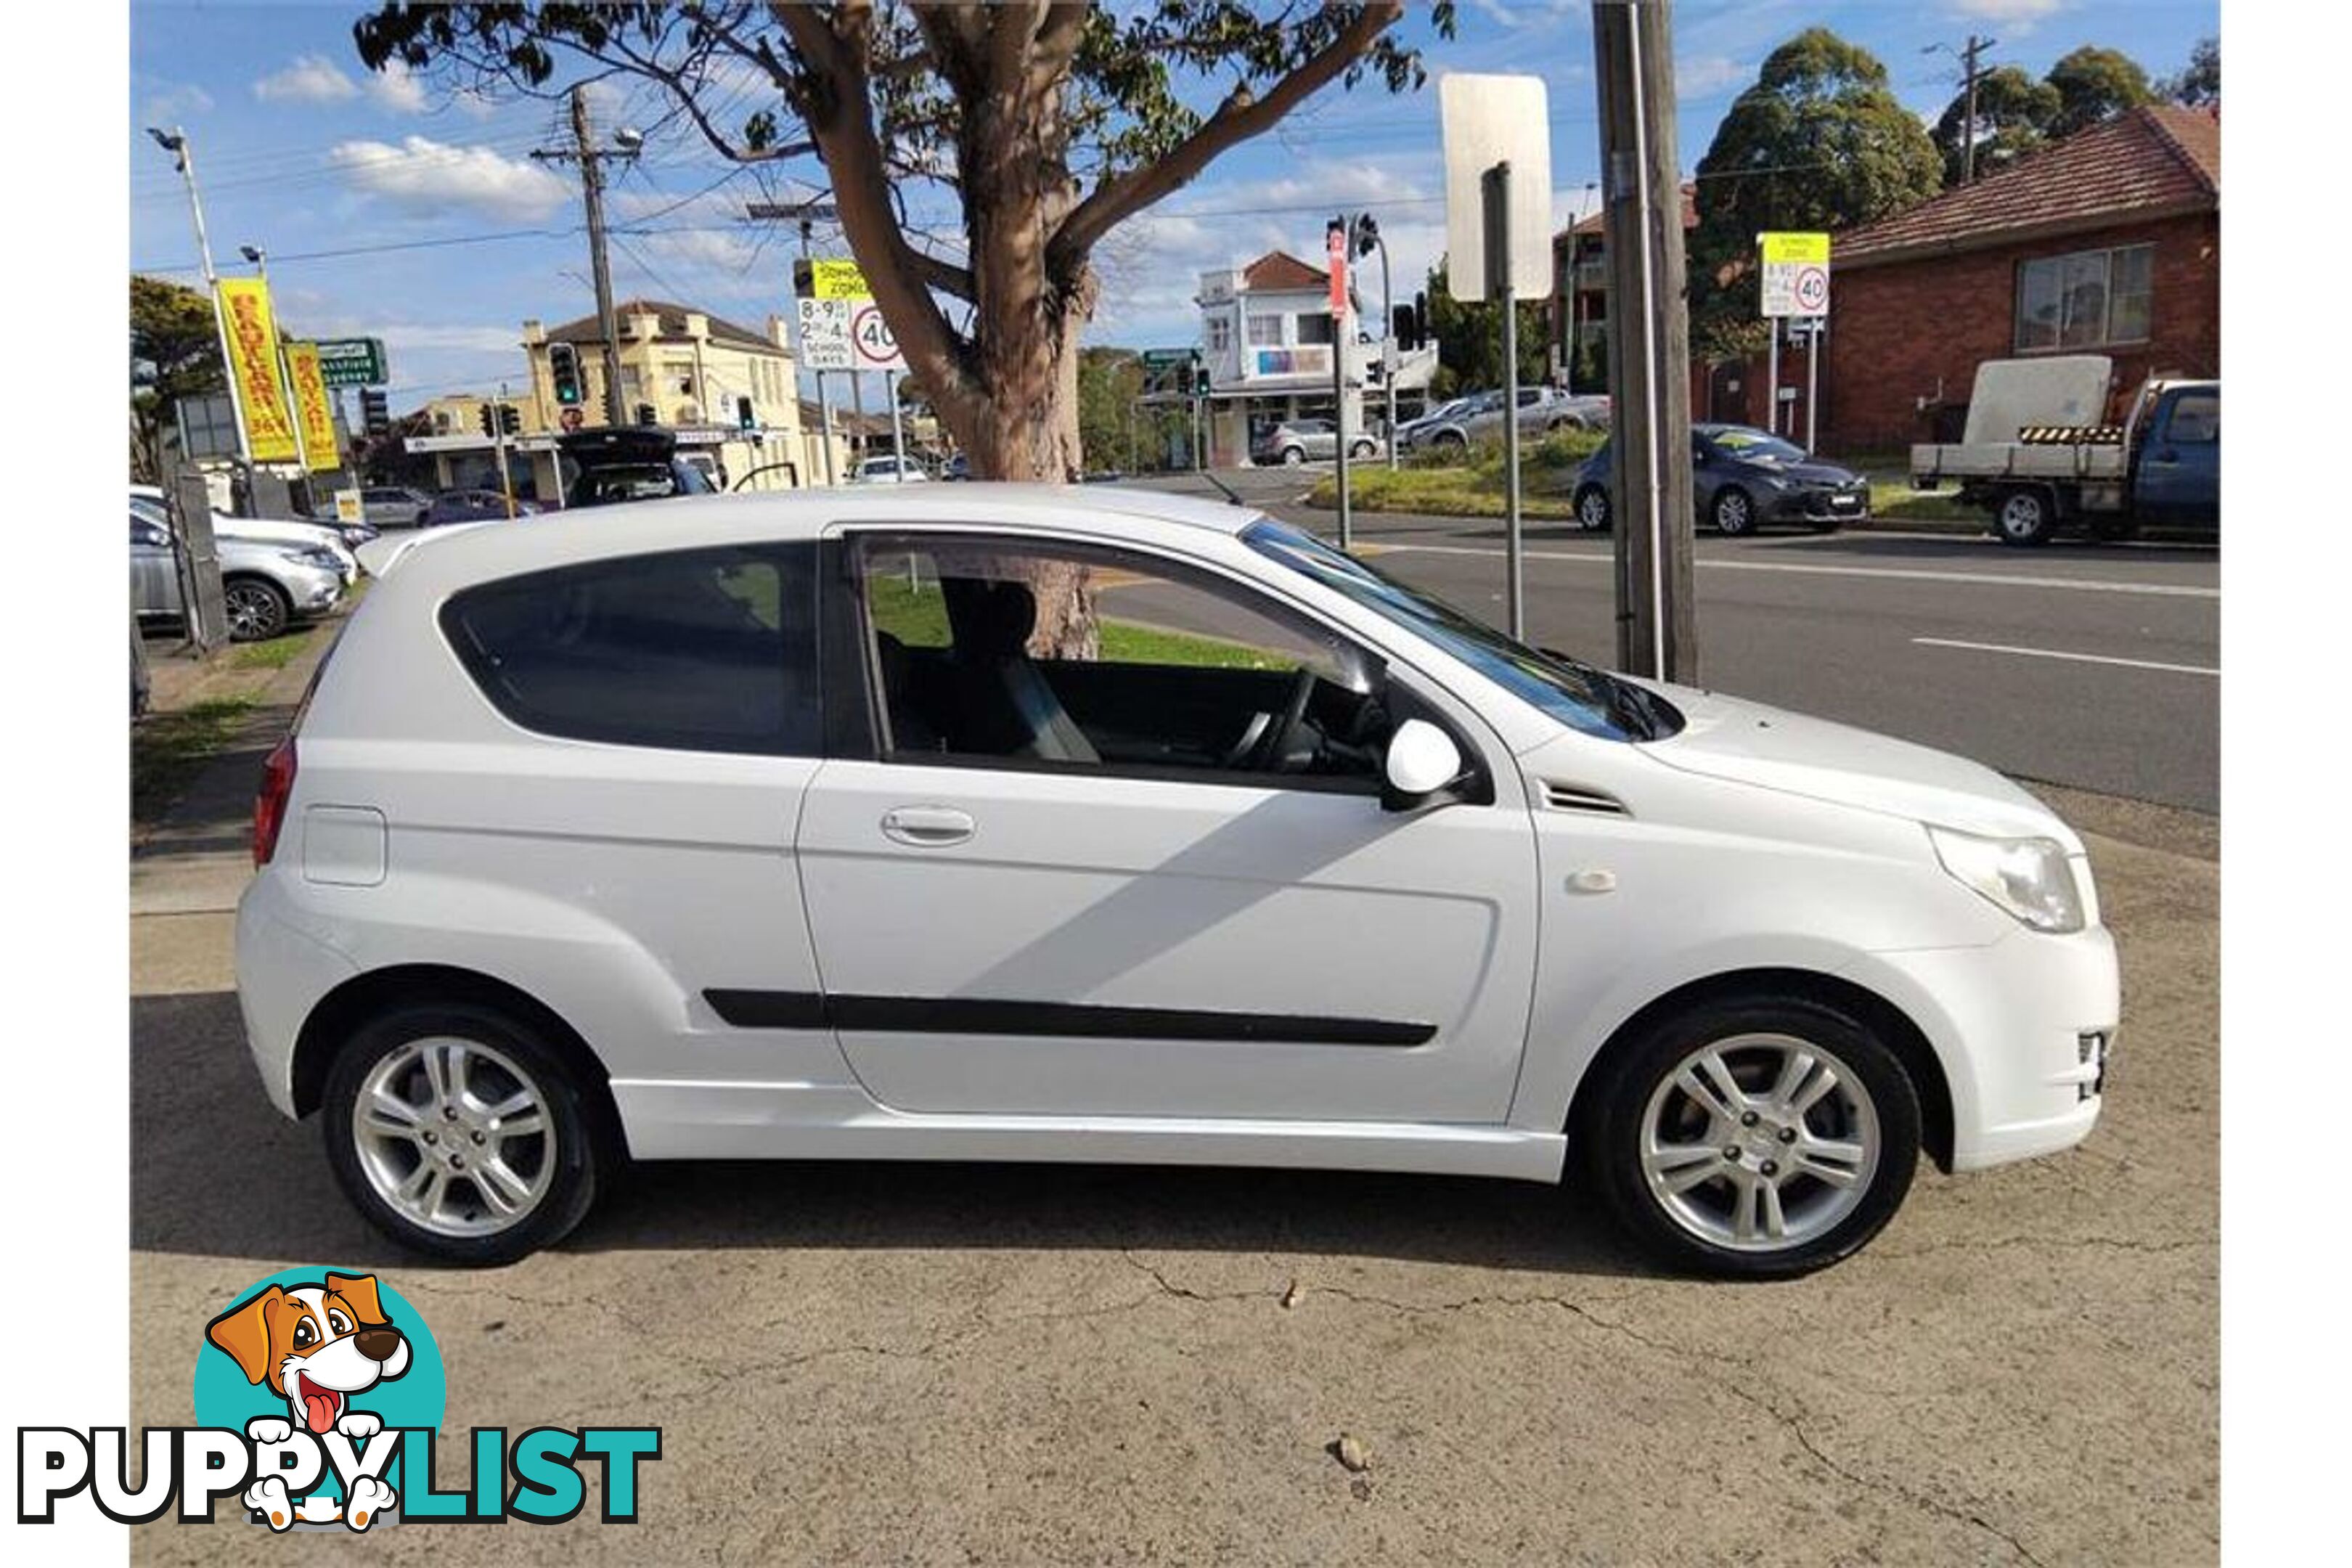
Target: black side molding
(985, 1016)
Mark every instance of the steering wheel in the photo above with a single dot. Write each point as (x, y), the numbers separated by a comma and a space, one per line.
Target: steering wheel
(1276, 740)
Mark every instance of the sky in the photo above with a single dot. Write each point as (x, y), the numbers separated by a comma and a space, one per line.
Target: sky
(392, 208)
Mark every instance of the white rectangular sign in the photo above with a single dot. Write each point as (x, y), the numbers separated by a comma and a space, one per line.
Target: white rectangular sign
(1795, 278)
(824, 334)
(1491, 119)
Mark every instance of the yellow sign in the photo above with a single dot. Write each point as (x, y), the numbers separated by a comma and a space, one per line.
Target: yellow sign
(350, 506)
(1800, 250)
(253, 360)
(313, 405)
(838, 280)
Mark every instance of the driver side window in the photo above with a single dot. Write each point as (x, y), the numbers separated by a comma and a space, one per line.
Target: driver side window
(1012, 653)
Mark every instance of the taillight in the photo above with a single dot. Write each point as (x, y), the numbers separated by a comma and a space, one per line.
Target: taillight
(269, 805)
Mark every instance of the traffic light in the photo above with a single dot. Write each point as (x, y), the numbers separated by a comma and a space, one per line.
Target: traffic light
(746, 416)
(1199, 375)
(803, 274)
(1366, 235)
(488, 422)
(648, 414)
(563, 367)
(510, 419)
(1410, 323)
(375, 412)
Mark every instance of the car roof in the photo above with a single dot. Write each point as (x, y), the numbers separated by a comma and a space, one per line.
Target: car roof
(455, 557)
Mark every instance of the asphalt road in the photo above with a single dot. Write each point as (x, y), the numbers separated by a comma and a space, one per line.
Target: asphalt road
(2095, 667)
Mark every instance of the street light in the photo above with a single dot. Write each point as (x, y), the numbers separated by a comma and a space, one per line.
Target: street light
(175, 142)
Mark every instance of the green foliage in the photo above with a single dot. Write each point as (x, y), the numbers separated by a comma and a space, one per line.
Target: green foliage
(2200, 82)
(2095, 84)
(1469, 335)
(2014, 116)
(175, 354)
(1821, 141)
(1115, 431)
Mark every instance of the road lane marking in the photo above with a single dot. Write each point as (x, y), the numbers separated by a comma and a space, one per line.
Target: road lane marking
(1900, 573)
(2076, 658)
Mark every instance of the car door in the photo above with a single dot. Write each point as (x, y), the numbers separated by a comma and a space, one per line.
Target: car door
(154, 581)
(2179, 481)
(1097, 884)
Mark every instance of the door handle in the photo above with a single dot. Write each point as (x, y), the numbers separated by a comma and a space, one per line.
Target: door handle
(927, 827)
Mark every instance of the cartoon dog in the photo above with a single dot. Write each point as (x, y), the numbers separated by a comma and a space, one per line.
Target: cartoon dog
(315, 1345)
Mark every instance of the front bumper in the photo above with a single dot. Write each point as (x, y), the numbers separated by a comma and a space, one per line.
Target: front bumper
(2023, 1028)
(1820, 503)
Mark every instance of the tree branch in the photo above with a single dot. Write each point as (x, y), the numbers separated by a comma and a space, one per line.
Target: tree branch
(1238, 119)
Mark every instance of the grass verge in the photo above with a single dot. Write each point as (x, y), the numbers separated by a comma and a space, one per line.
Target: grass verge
(167, 750)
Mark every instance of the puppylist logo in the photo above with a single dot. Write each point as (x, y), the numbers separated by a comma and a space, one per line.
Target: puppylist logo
(318, 1397)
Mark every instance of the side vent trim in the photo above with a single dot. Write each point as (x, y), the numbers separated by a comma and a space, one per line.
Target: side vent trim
(1578, 797)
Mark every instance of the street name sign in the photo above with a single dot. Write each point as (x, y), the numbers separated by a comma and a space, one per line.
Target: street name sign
(1796, 274)
(352, 361)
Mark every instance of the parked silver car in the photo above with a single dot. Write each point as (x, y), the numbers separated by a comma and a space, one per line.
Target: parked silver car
(394, 506)
(1304, 440)
(267, 586)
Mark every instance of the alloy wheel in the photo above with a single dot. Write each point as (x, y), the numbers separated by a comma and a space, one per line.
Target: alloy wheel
(1759, 1143)
(254, 611)
(1732, 512)
(455, 1136)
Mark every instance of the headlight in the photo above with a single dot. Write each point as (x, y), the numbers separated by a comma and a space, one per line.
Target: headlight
(2031, 878)
(315, 555)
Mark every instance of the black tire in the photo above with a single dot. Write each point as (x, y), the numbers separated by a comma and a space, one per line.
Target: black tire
(576, 1155)
(2024, 515)
(258, 609)
(1452, 441)
(1613, 1109)
(1733, 513)
(1360, 449)
(1293, 456)
(1566, 422)
(1592, 510)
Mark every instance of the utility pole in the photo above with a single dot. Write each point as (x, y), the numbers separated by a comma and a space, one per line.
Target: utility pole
(1970, 72)
(590, 159)
(1649, 339)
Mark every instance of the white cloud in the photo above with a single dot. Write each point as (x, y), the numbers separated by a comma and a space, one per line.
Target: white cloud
(396, 88)
(2019, 14)
(1527, 12)
(174, 102)
(698, 248)
(1704, 75)
(312, 78)
(430, 175)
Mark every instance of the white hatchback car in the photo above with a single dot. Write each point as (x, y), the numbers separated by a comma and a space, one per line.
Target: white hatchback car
(1056, 824)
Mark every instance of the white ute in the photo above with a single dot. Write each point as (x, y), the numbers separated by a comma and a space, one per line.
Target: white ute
(1018, 823)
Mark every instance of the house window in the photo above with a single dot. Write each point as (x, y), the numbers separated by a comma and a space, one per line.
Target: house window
(1266, 332)
(2084, 300)
(1221, 333)
(1315, 329)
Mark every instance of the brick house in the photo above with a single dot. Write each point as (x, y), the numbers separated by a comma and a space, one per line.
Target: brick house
(2107, 242)
(1580, 297)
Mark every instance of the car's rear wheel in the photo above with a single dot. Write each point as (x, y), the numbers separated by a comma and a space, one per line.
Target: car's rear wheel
(1592, 510)
(1293, 456)
(1360, 449)
(257, 608)
(1452, 441)
(460, 1132)
(1758, 1138)
(2026, 517)
(1733, 514)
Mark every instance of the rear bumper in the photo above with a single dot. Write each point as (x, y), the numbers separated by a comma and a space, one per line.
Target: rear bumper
(281, 976)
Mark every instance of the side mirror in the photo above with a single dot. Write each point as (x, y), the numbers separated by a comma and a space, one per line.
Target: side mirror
(1422, 760)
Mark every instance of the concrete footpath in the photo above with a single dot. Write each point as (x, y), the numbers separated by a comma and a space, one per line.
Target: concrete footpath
(872, 1363)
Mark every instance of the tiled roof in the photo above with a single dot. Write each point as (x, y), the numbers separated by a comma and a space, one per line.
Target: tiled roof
(673, 315)
(1280, 269)
(2162, 158)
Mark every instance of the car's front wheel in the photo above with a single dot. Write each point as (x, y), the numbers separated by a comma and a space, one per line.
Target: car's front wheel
(1592, 510)
(258, 609)
(1360, 449)
(1734, 514)
(460, 1132)
(1758, 1138)
(1293, 456)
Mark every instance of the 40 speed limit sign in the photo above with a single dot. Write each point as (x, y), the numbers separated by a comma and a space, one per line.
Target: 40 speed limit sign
(870, 337)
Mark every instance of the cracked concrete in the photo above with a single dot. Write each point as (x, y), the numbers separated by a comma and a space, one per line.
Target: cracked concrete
(954, 1363)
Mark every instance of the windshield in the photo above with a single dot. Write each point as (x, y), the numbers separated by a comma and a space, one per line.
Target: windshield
(1576, 694)
(1756, 447)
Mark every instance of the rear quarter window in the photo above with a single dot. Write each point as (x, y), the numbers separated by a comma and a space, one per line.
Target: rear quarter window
(707, 650)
